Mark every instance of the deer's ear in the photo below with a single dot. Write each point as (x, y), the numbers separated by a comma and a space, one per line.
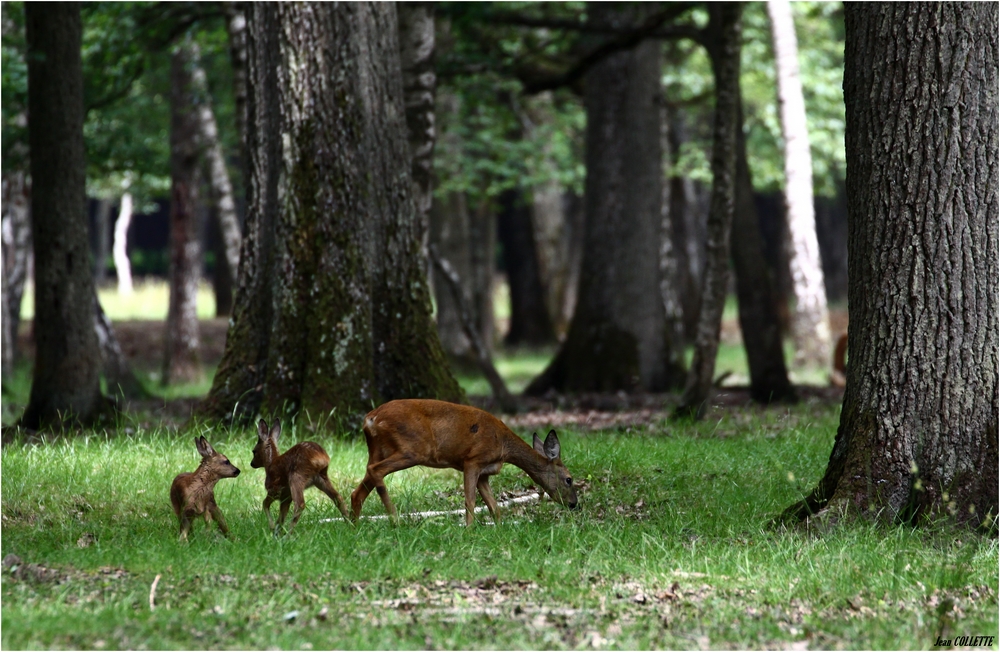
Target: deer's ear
(276, 430)
(204, 447)
(536, 443)
(262, 430)
(552, 445)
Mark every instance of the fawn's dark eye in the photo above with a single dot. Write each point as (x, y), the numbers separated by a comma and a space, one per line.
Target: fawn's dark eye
(569, 481)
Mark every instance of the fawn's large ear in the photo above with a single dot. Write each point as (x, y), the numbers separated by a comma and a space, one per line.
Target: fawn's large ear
(536, 443)
(262, 430)
(204, 447)
(551, 445)
(276, 430)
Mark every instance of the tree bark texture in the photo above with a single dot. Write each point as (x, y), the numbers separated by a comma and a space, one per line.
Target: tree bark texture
(416, 54)
(332, 309)
(236, 29)
(671, 274)
(725, 26)
(66, 383)
(617, 339)
(918, 431)
(181, 363)
(759, 320)
(16, 227)
(810, 321)
(529, 315)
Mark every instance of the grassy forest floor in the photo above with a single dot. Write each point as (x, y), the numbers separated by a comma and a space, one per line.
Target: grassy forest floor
(672, 546)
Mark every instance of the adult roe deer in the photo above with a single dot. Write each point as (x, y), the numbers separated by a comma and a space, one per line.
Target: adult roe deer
(425, 432)
(193, 494)
(287, 476)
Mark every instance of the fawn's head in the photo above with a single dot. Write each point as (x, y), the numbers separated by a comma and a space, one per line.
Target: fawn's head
(267, 444)
(555, 478)
(215, 463)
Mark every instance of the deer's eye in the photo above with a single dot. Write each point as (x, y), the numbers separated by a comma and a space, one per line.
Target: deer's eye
(569, 481)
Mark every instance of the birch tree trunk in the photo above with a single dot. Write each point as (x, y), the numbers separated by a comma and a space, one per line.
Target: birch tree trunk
(123, 267)
(810, 321)
(918, 432)
(181, 363)
(725, 28)
(236, 29)
(65, 387)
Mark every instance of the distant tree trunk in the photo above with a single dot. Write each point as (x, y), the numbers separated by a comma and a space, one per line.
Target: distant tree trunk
(617, 338)
(16, 260)
(332, 310)
(236, 28)
(117, 374)
(482, 266)
(416, 53)
(181, 363)
(811, 322)
(725, 28)
(529, 315)
(101, 227)
(918, 431)
(759, 320)
(66, 383)
(671, 270)
(123, 266)
(553, 234)
(831, 231)
(449, 232)
(218, 175)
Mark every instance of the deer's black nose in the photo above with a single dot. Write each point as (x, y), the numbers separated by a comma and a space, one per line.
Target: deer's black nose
(573, 505)
(237, 472)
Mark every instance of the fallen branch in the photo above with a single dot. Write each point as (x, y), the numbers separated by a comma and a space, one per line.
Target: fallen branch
(152, 592)
(500, 391)
(453, 512)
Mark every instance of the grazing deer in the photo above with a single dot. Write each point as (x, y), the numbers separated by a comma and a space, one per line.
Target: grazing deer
(412, 432)
(193, 494)
(287, 476)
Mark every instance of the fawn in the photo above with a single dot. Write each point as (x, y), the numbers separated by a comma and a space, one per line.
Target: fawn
(287, 476)
(411, 432)
(192, 494)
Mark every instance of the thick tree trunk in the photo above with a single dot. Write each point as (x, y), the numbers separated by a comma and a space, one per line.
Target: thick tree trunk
(332, 311)
(617, 338)
(16, 261)
(810, 323)
(918, 431)
(123, 267)
(725, 27)
(181, 363)
(671, 275)
(66, 383)
(529, 315)
(759, 319)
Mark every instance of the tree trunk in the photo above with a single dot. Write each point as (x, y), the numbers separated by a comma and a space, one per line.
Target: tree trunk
(181, 363)
(482, 265)
(617, 339)
(123, 267)
(102, 225)
(810, 323)
(759, 321)
(16, 261)
(332, 310)
(671, 274)
(66, 383)
(117, 374)
(227, 222)
(449, 233)
(529, 315)
(918, 431)
(416, 54)
(236, 29)
(725, 28)
(553, 234)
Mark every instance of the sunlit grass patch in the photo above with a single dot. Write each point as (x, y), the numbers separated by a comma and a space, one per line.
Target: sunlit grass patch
(149, 301)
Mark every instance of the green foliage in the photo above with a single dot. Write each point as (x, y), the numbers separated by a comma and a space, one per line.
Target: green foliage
(670, 549)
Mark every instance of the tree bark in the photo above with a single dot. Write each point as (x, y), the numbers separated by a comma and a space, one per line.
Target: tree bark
(123, 267)
(759, 320)
(811, 321)
(332, 309)
(181, 363)
(725, 26)
(16, 261)
(449, 233)
(617, 339)
(671, 274)
(66, 383)
(918, 432)
(482, 266)
(553, 235)
(529, 315)
(236, 29)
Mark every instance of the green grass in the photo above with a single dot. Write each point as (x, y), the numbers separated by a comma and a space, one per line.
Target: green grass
(671, 549)
(150, 300)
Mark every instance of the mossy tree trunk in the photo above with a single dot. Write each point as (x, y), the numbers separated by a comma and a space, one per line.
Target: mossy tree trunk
(66, 384)
(918, 431)
(332, 308)
(529, 314)
(617, 339)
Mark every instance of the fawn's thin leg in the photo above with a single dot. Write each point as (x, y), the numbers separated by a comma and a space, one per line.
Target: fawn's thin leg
(185, 526)
(219, 518)
(487, 493)
(267, 510)
(283, 512)
(297, 491)
(322, 482)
